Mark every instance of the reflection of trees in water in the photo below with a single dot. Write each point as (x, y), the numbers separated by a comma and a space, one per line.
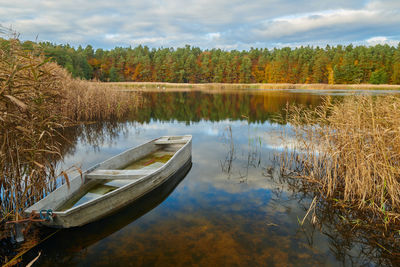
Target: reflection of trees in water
(95, 134)
(189, 107)
(195, 105)
(353, 241)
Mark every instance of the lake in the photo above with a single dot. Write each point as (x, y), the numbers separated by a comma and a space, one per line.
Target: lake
(229, 209)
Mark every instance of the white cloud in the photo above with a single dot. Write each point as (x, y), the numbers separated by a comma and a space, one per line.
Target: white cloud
(333, 26)
(228, 24)
(381, 40)
(213, 35)
(289, 26)
(383, 5)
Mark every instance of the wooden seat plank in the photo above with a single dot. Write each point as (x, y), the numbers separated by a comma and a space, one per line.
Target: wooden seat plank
(119, 174)
(166, 141)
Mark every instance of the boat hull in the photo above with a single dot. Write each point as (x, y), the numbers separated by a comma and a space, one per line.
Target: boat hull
(115, 200)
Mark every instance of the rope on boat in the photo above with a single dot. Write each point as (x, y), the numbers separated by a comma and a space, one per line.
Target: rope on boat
(49, 215)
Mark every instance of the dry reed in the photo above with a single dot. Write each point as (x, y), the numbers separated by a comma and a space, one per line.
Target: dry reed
(92, 101)
(350, 153)
(37, 100)
(28, 91)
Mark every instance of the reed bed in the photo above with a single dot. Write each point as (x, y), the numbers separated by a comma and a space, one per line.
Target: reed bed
(30, 100)
(350, 154)
(38, 99)
(96, 101)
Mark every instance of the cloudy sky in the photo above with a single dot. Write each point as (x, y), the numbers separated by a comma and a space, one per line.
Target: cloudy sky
(227, 24)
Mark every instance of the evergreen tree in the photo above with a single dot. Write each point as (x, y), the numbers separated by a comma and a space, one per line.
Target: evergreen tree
(245, 70)
(378, 77)
(113, 74)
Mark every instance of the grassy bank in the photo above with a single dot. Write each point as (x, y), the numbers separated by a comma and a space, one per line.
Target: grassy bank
(350, 155)
(37, 100)
(242, 86)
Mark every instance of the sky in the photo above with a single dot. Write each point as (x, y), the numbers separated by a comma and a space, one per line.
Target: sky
(226, 24)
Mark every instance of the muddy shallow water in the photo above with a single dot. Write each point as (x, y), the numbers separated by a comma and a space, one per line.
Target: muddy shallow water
(228, 209)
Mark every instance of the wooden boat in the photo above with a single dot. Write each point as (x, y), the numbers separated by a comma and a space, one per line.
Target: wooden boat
(114, 183)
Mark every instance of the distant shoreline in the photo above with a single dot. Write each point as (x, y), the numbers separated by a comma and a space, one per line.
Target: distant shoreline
(251, 86)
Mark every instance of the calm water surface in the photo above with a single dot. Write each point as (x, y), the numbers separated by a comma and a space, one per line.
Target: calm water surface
(226, 211)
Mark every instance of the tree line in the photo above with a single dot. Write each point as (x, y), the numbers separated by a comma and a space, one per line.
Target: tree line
(379, 64)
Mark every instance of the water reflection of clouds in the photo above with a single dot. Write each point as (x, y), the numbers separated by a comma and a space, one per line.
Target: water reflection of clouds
(200, 221)
(215, 211)
(213, 131)
(280, 139)
(209, 150)
(235, 206)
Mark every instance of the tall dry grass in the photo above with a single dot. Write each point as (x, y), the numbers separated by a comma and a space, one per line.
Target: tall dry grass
(30, 101)
(94, 101)
(350, 153)
(37, 100)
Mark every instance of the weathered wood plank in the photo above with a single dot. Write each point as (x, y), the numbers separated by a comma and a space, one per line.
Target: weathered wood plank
(118, 174)
(166, 141)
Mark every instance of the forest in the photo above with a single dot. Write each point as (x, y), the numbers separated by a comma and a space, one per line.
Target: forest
(379, 64)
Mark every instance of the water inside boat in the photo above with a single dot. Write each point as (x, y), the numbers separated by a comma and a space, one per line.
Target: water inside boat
(95, 188)
(153, 160)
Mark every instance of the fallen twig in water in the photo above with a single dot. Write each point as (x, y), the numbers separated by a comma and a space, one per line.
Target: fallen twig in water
(312, 206)
(34, 260)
